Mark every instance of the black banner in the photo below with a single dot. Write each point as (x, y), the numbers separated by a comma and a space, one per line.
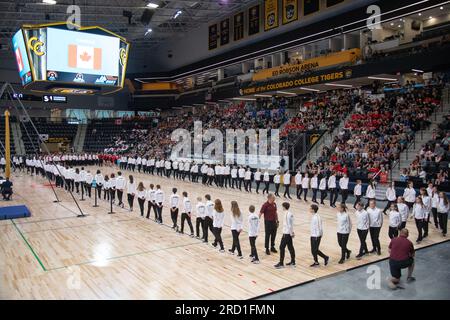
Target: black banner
(224, 32)
(212, 40)
(253, 20)
(298, 81)
(333, 2)
(310, 6)
(238, 26)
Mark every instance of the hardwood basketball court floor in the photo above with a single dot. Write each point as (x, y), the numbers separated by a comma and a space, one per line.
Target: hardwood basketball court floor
(56, 255)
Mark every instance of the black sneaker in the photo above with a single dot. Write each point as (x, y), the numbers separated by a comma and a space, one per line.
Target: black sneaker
(291, 264)
(410, 279)
(268, 252)
(341, 261)
(273, 250)
(326, 260)
(250, 256)
(279, 266)
(348, 254)
(255, 261)
(359, 256)
(315, 264)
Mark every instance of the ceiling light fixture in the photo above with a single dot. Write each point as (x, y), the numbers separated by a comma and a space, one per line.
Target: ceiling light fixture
(286, 92)
(263, 95)
(381, 78)
(148, 31)
(245, 99)
(309, 89)
(177, 14)
(417, 70)
(339, 85)
(49, 1)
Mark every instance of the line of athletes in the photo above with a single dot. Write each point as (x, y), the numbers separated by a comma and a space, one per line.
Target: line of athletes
(210, 215)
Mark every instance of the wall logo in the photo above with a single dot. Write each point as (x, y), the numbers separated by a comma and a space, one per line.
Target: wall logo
(106, 80)
(52, 75)
(36, 45)
(79, 78)
(123, 56)
(348, 73)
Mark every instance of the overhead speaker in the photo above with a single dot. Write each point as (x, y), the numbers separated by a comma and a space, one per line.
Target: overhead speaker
(147, 16)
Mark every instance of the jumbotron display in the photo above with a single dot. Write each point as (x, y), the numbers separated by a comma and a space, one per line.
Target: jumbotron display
(82, 60)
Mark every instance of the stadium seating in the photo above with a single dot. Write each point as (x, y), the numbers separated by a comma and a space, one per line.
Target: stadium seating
(52, 129)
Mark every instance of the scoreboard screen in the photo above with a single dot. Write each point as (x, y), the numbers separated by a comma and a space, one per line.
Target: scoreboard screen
(20, 53)
(85, 60)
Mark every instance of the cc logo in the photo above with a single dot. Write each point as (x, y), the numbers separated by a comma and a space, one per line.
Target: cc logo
(35, 45)
(123, 56)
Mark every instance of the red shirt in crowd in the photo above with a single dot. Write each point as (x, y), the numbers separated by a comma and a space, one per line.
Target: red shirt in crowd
(270, 211)
(401, 248)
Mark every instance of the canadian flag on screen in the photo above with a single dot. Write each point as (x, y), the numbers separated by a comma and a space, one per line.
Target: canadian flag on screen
(85, 57)
(19, 60)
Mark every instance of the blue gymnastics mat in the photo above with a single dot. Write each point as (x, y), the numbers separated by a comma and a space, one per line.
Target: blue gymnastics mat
(13, 212)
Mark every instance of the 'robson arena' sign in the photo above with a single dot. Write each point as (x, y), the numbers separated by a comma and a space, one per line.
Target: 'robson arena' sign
(298, 82)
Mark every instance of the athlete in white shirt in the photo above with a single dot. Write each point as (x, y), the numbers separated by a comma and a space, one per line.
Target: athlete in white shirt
(276, 181)
(120, 186)
(236, 228)
(200, 210)
(376, 222)
(253, 230)
(131, 191)
(343, 186)
(442, 210)
(316, 236)
(390, 196)
(287, 184)
(174, 201)
(159, 199)
(419, 213)
(186, 212)
(257, 177)
(357, 192)
(209, 214)
(362, 228)
(218, 222)
(344, 227)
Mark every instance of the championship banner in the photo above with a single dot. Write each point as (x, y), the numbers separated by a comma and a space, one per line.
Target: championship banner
(290, 11)
(341, 57)
(299, 81)
(238, 26)
(253, 20)
(212, 38)
(310, 6)
(224, 32)
(270, 14)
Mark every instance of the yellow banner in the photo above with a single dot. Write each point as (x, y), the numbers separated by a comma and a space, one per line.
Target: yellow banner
(270, 14)
(290, 11)
(298, 82)
(159, 86)
(348, 56)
